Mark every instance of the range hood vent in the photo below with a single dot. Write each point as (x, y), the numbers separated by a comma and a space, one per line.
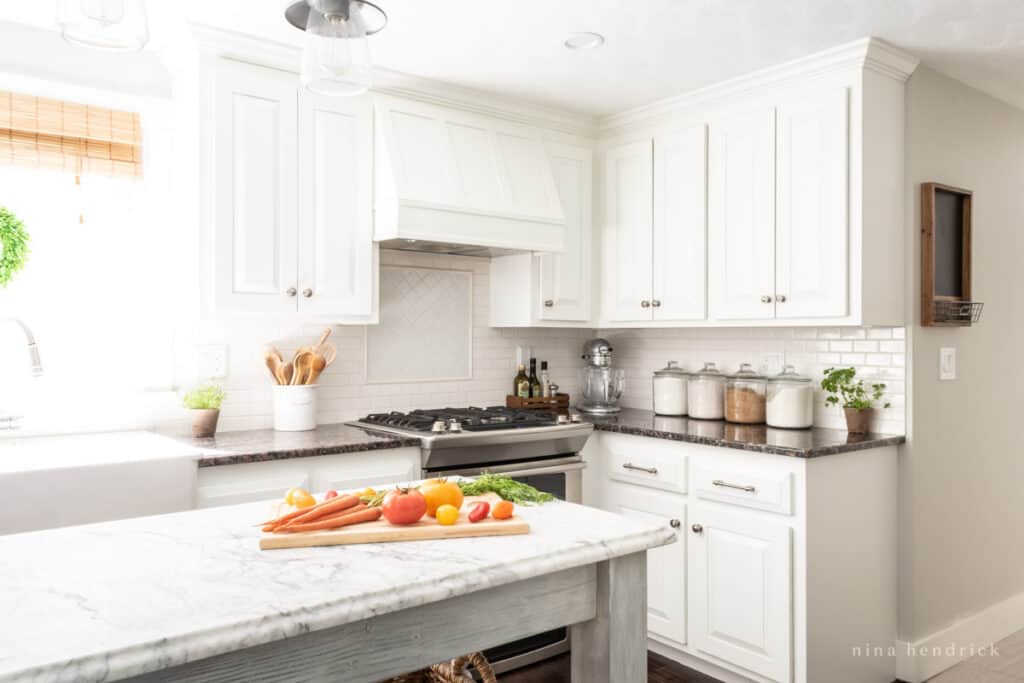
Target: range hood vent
(458, 179)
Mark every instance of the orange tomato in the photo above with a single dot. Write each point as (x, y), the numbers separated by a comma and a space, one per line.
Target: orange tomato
(447, 514)
(503, 510)
(440, 492)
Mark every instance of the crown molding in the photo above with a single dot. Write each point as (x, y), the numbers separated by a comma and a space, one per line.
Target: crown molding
(867, 53)
(233, 45)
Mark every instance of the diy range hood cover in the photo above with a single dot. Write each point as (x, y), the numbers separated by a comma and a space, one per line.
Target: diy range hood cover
(446, 178)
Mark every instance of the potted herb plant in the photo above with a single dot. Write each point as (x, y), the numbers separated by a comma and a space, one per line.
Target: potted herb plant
(858, 400)
(13, 246)
(204, 401)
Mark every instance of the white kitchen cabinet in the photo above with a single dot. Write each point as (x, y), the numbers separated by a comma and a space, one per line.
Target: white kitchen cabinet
(254, 481)
(740, 590)
(255, 198)
(654, 228)
(812, 217)
(292, 201)
(741, 216)
(627, 237)
(666, 566)
(552, 288)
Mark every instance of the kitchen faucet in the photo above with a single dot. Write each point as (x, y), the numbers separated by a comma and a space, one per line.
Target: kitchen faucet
(8, 421)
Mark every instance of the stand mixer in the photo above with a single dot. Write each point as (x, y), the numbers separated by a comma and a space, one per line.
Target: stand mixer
(600, 384)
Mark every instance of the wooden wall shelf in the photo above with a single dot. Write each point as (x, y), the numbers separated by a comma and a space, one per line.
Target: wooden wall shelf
(946, 257)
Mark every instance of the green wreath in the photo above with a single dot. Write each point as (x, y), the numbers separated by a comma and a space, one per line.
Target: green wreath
(13, 246)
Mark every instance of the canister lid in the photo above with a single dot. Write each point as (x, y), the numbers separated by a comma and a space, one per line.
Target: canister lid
(789, 374)
(709, 370)
(671, 370)
(746, 371)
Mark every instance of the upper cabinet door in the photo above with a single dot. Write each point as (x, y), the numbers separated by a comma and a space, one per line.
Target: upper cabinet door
(741, 590)
(812, 267)
(679, 225)
(741, 216)
(565, 278)
(337, 253)
(627, 234)
(255, 204)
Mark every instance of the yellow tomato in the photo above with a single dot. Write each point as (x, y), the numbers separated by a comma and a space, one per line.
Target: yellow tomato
(301, 499)
(440, 492)
(293, 493)
(368, 491)
(447, 514)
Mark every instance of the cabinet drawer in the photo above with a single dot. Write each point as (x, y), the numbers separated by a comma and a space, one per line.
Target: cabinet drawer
(652, 464)
(771, 491)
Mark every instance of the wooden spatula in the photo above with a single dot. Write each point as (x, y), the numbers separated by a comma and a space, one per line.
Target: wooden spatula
(329, 353)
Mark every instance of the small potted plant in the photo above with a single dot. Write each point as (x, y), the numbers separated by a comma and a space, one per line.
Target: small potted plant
(858, 400)
(204, 402)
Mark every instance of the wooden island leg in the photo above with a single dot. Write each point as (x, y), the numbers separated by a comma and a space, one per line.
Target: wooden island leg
(612, 647)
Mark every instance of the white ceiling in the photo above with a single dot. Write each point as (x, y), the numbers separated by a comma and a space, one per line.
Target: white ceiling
(654, 48)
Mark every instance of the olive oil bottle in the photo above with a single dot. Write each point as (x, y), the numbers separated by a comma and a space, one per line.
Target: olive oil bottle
(521, 384)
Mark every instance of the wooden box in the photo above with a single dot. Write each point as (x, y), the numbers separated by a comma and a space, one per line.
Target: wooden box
(559, 403)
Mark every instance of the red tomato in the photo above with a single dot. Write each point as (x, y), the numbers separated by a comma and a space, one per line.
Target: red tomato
(404, 506)
(330, 494)
(479, 511)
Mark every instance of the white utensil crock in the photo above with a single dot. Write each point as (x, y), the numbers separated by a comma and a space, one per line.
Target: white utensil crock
(295, 408)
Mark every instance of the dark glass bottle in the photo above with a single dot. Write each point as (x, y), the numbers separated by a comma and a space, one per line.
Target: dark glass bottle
(535, 388)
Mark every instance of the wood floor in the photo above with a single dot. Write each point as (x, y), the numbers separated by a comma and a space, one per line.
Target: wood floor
(556, 670)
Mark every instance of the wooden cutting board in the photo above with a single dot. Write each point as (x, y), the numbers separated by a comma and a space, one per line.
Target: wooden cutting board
(427, 529)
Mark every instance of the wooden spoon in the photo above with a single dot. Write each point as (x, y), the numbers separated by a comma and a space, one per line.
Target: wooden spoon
(317, 366)
(287, 372)
(273, 363)
(303, 364)
(329, 353)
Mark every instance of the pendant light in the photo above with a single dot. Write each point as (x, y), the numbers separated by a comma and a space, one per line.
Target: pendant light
(336, 57)
(104, 24)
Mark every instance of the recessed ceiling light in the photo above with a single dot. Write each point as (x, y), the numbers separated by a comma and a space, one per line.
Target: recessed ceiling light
(584, 41)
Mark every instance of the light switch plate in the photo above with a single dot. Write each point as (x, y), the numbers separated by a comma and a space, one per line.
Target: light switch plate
(947, 363)
(212, 361)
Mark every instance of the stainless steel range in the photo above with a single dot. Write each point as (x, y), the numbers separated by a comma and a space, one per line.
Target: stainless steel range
(536, 447)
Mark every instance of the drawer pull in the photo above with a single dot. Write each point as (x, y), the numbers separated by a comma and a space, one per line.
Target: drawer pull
(740, 487)
(675, 523)
(697, 529)
(638, 468)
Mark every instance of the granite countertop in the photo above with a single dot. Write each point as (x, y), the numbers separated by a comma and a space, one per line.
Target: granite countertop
(798, 443)
(231, 448)
(106, 601)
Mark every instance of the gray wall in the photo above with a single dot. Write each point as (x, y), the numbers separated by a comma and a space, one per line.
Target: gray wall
(962, 474)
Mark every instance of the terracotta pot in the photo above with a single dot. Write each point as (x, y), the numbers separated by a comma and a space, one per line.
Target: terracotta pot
(204, 423)
(859, 421)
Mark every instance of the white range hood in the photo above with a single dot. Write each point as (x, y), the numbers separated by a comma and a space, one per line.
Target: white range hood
(453, 181)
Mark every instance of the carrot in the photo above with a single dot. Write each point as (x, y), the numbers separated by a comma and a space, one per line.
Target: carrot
(322, 518)
(336, 522)
(323, 508)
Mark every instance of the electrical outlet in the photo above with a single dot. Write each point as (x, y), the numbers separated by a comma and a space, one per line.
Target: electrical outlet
(212, 361)
(947, 363)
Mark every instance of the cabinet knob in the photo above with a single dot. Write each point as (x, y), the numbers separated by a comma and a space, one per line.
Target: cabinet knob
(781, 298)
(766, 299)
(307, 292)
(548, 303)
(291, 291)
(697, 529)
(656, 303)
(675, 523)
(645, 304)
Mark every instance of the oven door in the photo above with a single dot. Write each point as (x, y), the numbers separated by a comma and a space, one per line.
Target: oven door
(562, 477)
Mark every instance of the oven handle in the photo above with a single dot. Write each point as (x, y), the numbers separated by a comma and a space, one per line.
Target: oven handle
(511, 470)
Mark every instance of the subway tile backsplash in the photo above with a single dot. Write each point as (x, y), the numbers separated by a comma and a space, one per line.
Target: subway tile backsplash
(878, 354)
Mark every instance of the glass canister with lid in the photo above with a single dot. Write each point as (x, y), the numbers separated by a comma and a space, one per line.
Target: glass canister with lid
(705, 393)
(790, 400)
(745, 396)
(670, 390)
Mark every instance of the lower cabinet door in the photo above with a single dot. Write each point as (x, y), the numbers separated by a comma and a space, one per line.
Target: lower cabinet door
(740, 590)
(666, 566)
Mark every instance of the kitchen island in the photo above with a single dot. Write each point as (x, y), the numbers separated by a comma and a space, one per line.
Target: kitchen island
(190, 597)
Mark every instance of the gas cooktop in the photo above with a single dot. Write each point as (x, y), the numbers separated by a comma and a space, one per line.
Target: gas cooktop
(440, 420)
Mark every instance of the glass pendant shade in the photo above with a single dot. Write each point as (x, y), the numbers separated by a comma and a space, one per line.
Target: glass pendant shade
(336, 57)
(104, 24)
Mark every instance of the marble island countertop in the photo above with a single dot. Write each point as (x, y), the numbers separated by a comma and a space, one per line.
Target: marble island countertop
(799, 443)
(107, 601)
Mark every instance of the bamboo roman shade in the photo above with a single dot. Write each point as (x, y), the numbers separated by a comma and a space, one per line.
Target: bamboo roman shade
(79, 138)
